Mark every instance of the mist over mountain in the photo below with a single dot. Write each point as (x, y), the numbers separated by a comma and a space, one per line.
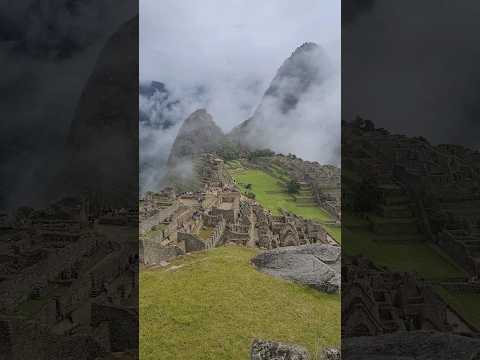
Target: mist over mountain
(162, 110)
(299, 113)
(296, 101)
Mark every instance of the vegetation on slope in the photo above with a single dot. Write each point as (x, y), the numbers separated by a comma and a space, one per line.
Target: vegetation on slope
(419, 257)
(272, 194)
(423, 258)
(466, 304)
(211, 305)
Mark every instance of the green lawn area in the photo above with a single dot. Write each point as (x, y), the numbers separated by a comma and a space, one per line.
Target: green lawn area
(415, 257)
(466, 304)
(205, 232)
(272, 196)
(335, 231)
(422, 258)
(215, 303)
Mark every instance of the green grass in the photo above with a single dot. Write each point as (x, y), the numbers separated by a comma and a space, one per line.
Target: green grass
(421, 258)
(429, 262)
(466, 304)
(216, 303)
(205, 232)
(335, 231)
(273, 196)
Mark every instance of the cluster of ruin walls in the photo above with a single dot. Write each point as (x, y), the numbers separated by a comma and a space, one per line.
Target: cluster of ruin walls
(17, 289)
(154, 253)
(147, 224)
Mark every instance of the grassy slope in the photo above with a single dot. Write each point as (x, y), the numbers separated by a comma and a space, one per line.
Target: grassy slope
(421, 258)
(271, 194)
(213, 306)
(466, 304)
(415, 257)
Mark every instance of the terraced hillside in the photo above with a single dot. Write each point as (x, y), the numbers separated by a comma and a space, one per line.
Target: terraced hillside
(269, 186)
(416, 209)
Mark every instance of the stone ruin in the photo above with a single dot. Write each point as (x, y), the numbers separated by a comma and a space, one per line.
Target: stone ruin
(172, 224)
(421, 192)
(58, 266)
(416, 193)
(377, 302)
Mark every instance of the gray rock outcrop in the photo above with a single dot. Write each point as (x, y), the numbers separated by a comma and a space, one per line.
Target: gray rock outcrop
(314, 265)
(330, 354)
(272, 350)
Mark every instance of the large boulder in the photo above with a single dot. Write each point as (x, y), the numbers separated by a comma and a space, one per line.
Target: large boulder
(272, 350)
(314, 265)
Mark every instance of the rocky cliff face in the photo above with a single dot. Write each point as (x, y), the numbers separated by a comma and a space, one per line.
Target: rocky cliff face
(301, 74)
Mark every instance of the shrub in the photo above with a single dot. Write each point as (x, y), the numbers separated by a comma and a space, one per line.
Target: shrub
(293, 187)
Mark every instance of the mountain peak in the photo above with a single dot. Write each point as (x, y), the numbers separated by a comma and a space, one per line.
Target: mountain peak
(307, 68)
(309, 64)
(198, 134)
(307, 46)
(199, 113)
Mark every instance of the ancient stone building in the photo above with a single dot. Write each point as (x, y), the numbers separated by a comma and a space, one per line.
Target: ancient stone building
(172, 224)
(55, 267)
(376, 302)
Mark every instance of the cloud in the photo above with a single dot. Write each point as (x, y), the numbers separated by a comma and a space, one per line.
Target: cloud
(312, 129)
(300, 111)
(232, 52)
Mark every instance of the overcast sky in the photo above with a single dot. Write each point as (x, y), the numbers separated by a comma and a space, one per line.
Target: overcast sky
(412, 67)
(232, 48)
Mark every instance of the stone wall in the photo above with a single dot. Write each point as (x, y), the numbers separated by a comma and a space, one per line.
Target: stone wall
(192, 243)
(146, 224)
(217, 234)
(26, 340)
(18, 288)
(153, 253)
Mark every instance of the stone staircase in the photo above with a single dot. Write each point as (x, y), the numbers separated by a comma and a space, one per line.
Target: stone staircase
(394, 219)
(305, 196)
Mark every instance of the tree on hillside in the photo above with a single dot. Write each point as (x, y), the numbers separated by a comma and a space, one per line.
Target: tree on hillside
(260, 153)
(366, 196)
(293, 187)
